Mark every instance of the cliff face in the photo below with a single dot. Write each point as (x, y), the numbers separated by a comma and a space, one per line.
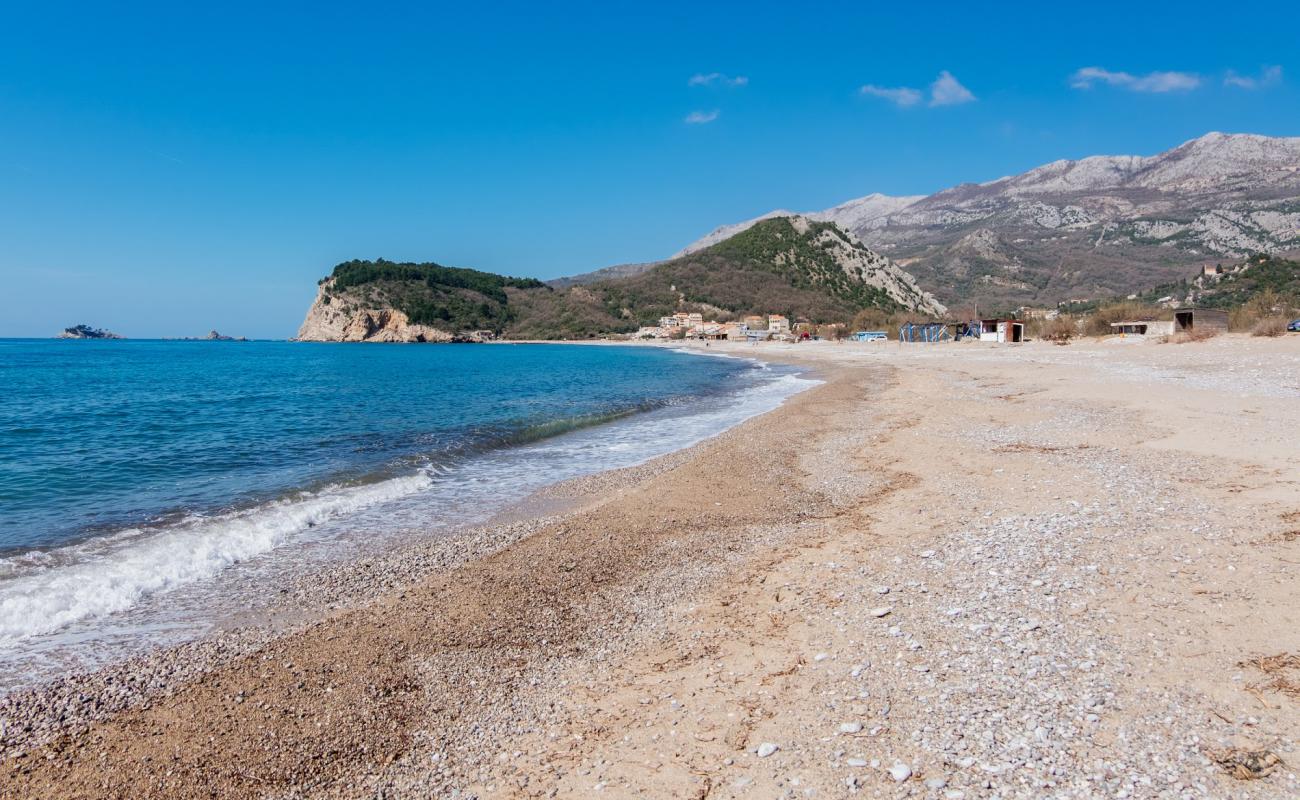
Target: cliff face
(344, 317)
(866, 266)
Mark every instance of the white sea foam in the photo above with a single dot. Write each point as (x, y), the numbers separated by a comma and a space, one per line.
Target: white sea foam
(77, 587)
(108, 575)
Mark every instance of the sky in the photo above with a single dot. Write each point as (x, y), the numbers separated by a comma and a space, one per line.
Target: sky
(170, 168)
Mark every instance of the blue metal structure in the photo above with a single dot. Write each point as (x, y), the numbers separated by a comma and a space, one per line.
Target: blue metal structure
(927, 332)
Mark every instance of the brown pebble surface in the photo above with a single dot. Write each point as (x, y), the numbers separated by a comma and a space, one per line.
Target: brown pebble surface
(954, 571)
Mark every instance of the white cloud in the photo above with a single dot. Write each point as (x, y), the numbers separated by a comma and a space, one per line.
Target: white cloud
(702, 117)
(1268, 76)
(946, 91)
(1152, 82)
(718, 79)
(901, 96)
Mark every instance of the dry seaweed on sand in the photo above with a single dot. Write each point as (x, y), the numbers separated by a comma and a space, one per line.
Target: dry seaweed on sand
(1246, 765)
(1277, 668)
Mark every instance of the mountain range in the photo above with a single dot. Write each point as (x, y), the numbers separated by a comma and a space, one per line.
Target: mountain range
(1096, 227)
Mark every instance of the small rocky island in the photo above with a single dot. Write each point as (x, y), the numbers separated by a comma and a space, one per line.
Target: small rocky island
(87, 332)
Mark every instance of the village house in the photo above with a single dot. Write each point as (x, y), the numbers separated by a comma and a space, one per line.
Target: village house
(777, 324)
(707, 330)
(679, 320)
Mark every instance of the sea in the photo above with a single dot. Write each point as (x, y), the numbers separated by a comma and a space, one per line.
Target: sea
(150, 491)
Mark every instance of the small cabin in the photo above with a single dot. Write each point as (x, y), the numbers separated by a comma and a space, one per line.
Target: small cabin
(1143, 327)
(1201, 319)
(999, 330)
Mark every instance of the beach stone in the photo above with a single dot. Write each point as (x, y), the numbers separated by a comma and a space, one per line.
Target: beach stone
(881, 612)
(766, 749)
(850, 727)
(900, 772)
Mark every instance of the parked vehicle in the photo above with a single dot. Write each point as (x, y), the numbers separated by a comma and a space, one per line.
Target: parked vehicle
(869, 336)
(1294, 327)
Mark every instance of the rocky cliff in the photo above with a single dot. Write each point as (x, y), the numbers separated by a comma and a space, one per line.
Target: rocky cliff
(344, 317)
(86, 332)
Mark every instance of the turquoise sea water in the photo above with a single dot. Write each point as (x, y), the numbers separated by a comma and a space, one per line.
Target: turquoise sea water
(134, 470)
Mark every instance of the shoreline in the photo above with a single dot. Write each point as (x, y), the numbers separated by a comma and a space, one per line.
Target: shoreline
(1021, 570)
(67, 702)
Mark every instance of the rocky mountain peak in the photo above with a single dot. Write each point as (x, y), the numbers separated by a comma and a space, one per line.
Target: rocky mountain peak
(1088, 227)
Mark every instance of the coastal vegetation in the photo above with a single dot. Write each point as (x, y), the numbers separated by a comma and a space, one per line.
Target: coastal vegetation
(769, 268)
(1235, 285)
(804, 270)
(447, 298)
(1260, 294)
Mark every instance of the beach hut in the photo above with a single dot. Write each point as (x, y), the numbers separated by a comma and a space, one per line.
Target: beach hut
(1000, 330)
(1201, 319)
(1143, 327)
(928, 332)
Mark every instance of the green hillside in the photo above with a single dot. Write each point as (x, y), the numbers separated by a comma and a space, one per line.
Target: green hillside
(447, 298)
(1236, 285)
(769, 268)
(810, 270)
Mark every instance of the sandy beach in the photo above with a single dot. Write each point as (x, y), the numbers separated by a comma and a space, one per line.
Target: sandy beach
(952, 571)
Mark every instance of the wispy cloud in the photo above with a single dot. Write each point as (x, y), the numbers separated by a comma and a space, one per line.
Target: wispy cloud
(1268, 76)
(717, 79)
(1152, 82)
(901, 96)
(702, 117)
(947, 91)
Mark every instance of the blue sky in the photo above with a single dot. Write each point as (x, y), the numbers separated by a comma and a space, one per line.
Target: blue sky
(166, 169)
